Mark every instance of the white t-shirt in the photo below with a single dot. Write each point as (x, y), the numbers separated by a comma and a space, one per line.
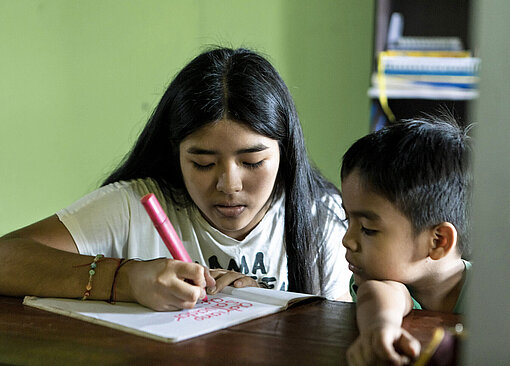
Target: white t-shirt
(113, 222)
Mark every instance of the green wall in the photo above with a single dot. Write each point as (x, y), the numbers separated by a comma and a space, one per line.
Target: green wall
(80, 78)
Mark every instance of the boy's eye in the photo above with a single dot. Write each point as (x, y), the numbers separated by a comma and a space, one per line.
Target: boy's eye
(254, 165)
(202, 166)
(368, 232)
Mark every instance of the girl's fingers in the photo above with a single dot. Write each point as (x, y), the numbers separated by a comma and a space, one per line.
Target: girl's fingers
(245, 282)
(209, 279)
(226, 279)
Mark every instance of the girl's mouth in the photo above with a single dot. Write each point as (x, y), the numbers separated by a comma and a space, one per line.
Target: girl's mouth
(230, 211)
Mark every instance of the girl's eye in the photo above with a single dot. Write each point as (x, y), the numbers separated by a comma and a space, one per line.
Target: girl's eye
(368, 232)
(254, 165)
(202, 167)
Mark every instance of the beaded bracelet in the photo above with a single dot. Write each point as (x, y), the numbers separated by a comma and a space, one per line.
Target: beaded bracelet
(92, 272)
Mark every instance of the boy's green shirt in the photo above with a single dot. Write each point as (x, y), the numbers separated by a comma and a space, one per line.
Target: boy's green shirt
(459, 306)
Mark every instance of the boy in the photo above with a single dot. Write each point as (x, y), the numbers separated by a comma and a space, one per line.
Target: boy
(405, 192)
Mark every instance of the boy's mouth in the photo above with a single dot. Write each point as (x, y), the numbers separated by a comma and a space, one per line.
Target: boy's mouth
(354, 269)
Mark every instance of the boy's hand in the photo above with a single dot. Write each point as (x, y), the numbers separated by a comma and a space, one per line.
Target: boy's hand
(389, 343)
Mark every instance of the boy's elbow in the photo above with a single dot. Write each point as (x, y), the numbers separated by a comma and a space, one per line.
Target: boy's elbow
(370, 286)
(384, 291)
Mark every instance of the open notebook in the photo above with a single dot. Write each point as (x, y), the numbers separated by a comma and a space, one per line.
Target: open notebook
(230, 307)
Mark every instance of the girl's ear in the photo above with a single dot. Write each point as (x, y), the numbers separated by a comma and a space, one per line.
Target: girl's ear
(443, 241)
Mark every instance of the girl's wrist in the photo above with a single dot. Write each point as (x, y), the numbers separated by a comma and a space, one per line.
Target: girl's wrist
(121, 286)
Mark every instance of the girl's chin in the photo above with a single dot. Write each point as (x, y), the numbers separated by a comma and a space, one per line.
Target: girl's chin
(237, 235)
(237, 232)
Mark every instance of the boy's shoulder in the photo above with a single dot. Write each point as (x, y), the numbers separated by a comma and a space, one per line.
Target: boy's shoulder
(461, 301)
(460, 304)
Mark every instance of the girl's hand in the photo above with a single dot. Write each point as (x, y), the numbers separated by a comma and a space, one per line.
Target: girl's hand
(224, 278)
(167, 284)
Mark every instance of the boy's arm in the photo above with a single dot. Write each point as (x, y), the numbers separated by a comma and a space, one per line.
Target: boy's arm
(380, 307)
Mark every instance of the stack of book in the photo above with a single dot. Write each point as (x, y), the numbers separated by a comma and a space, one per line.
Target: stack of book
(425, 68)
(426, 75)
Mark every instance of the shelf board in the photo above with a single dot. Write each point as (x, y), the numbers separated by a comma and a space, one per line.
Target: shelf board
(427, 93)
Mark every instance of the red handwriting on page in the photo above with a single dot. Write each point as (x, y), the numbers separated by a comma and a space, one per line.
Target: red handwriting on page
(214, 307)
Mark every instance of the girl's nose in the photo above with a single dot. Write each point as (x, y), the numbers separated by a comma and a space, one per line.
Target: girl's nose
(229, 180)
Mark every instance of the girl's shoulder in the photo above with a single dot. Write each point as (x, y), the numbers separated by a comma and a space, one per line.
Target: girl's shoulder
(117, 194)
(332, 203)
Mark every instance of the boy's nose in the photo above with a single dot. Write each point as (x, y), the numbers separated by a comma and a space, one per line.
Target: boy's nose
(349, 241)
(229, 181)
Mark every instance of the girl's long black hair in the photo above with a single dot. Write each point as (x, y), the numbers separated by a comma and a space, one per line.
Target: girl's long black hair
(241, 85)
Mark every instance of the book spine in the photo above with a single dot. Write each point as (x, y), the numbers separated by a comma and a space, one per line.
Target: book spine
(428, 53)
(427, 43)
(460, 66)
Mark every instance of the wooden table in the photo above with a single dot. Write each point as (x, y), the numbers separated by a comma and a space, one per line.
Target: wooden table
(314, 333)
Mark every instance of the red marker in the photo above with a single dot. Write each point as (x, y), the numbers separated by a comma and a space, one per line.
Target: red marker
(165, 228)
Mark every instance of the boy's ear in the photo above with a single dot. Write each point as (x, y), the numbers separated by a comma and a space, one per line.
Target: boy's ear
(444, 239)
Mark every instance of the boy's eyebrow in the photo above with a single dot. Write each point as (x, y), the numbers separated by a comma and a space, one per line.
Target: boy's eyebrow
(251, 149)
(370, 215)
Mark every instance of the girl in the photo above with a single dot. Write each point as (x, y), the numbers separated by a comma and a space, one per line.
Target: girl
(225, 155)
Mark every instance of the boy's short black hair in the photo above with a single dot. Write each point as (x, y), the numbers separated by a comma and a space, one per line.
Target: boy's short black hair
(422, 166)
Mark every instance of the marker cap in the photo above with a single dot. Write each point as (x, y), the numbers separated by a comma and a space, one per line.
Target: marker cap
(157, 215)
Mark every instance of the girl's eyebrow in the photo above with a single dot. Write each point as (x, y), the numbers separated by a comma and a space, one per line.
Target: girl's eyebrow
(252, 149)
